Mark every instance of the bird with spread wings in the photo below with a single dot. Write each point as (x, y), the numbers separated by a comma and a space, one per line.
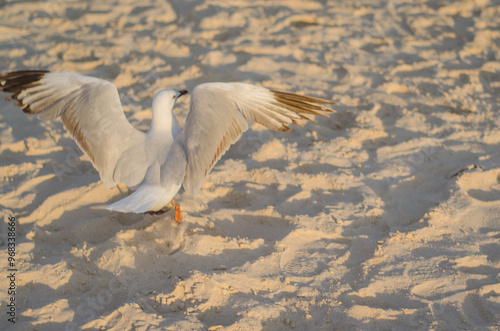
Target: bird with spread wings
(156, 163)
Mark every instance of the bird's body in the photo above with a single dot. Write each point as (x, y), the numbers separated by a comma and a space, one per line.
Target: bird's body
(159, 162)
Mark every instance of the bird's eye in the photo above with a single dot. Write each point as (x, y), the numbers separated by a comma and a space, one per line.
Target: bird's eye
(173, 97)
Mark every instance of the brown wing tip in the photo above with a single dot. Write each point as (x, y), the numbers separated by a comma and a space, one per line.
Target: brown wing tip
(298, 122)
(304, 106)
(301, 104)
(305, 98)
(284, 128)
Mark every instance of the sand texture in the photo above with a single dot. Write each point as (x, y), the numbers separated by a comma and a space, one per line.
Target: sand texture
(383, 216)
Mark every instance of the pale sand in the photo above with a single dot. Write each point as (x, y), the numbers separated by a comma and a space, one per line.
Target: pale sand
(362, 221)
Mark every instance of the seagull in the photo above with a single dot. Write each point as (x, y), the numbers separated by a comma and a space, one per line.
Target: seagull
(157, 163)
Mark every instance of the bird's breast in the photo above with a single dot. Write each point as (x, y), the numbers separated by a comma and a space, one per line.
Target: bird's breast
(158, 144)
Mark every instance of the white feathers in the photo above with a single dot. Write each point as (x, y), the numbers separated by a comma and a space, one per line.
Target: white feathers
(160, 161)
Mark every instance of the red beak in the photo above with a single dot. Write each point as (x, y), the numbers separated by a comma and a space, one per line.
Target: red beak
(182, 92)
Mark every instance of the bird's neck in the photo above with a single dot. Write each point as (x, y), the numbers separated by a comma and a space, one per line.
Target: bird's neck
(163, 121)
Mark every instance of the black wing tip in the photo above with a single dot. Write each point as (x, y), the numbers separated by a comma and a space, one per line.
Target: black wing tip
(27, 110)
(19, 77)
(18, 73)
(15, 82)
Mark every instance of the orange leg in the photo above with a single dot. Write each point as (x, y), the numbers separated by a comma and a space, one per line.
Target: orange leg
(177, 211)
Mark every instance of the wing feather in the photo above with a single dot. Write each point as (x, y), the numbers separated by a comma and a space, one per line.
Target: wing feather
(89, 108)
(218, 116)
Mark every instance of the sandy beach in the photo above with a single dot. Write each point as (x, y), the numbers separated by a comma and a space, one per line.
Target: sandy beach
(383, 216)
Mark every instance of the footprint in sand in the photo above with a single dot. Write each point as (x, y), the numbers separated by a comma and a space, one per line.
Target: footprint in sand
(482, 186)
(310, 257)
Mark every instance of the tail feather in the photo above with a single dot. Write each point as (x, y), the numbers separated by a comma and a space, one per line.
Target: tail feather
(146, 198)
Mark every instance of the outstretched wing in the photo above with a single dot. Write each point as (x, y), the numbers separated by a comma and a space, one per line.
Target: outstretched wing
(89, 108)
(218, 116)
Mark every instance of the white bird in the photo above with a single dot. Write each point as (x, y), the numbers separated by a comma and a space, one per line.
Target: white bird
(164, 158)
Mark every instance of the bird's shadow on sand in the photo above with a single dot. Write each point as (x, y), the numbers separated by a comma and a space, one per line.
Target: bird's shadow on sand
(81, 243)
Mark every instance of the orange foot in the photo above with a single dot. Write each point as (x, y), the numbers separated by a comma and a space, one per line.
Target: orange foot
(177, 211)
(164, 210)
(178, 214)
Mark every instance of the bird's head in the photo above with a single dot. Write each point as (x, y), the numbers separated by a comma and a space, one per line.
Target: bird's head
(167, 98)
